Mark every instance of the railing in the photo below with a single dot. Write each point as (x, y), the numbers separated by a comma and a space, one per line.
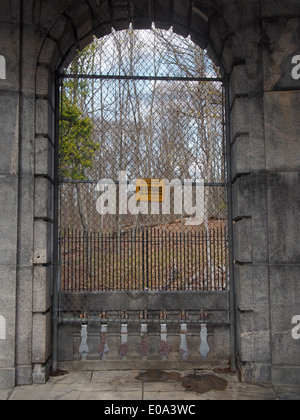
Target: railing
(151, 259)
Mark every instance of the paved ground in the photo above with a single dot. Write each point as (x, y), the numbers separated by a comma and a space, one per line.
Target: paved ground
(148, 385)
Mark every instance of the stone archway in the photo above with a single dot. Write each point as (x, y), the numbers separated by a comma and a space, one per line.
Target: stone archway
(255, 42)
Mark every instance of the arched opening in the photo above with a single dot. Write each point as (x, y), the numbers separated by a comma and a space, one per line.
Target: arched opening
(142, 190)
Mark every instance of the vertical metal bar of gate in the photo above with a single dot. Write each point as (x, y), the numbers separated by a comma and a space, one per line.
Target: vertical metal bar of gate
(230, 230)
(56, 285)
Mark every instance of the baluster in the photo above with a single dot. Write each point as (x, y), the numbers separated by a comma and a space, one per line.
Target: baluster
(163, 348)
(124, 341)
(183, 349)
(103, 349)
(204, 347)
(83, 349)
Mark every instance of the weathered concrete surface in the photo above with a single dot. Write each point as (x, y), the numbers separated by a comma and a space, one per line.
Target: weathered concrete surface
(148, 386)
(255, 41)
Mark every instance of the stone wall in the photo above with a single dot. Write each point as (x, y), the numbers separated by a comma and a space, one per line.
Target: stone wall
(255, 41)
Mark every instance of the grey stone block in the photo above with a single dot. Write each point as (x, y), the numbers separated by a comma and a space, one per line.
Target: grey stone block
(79, 14)
(242, 189)
(253, 324)
(285, 350)
(259, 219)
(219, 33)
(24, 316)
(238, 82)
(44, 118)
(42, 242)
(66, 37)
(25, 228)
(42, 289)
(9, 35)
(200, 25)
(281, 39)
(248, 150)
(41, 338)
(285, 304)
(262, 347)
(286, 375)
(240, 117)
(7, 306)
(285, 296)
(245, 346)
(243, 278)
(50, 12)
(7, 378)
(29, 59)
(9, 217)
(43, 198)
(232, 52)
(44, 157)
(9, 118)
(285, 292)
(245, 322)
(275, 8)
(44, 79)
(181, 12)
(242, 241)
(24, 375)
(255, 110)
(50, 54)
(7, 287)
(284, 217)
(246, 336)
(41, 373)
(261, 293)
(27, 104)
(9, 11)
(58, 29)
(84, 27)
(262, 373)
(250, 372)
(245, 371)
(241, 156)
(282, 127)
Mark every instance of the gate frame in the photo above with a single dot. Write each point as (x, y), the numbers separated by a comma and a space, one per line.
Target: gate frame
(228, 185)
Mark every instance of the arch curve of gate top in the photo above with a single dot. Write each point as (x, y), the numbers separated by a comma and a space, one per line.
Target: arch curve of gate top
(74, 27)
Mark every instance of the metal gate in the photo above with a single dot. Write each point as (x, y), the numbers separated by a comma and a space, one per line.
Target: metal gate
(142, 201)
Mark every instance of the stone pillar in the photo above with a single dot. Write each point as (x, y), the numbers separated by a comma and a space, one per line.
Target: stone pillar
(250, 226)
(9, 185)
(282, 128)
(266, 199)
(26, 185)
(43, 221)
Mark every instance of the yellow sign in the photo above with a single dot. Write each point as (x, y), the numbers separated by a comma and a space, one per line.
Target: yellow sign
(150, 190)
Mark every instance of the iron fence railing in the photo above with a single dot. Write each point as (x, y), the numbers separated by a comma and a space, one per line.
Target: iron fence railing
(151, 259)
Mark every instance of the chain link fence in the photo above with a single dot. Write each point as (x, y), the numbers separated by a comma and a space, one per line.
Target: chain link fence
(148, 104)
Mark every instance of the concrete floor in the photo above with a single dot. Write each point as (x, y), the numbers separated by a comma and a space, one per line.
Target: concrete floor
(148, 385)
